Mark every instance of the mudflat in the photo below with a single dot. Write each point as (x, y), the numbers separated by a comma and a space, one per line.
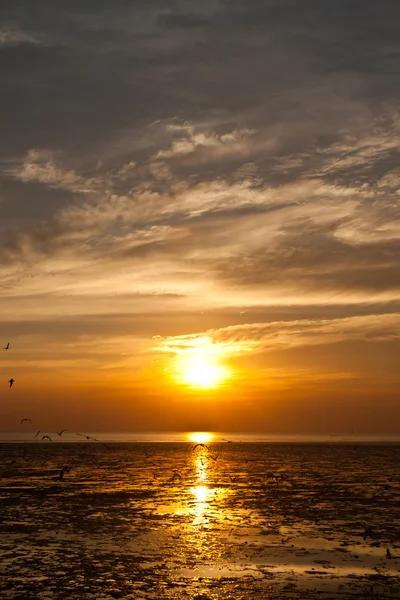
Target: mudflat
(222, 520)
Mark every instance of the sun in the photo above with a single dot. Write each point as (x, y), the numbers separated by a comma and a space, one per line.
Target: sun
(202, 372)
(200, 437)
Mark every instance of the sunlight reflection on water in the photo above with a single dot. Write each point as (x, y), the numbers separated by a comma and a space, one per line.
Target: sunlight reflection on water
(201, 493)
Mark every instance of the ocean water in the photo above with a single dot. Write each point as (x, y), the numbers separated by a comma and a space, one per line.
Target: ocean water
(170, 519)
(26, 434)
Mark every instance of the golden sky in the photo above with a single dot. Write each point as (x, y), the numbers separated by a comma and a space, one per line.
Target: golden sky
(200, 216)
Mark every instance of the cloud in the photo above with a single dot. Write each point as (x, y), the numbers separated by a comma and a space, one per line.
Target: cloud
(40, 166)
(11, 35)
(213, 145)
(260, 337)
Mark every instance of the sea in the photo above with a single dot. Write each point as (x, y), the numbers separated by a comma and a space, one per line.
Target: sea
(176, 516)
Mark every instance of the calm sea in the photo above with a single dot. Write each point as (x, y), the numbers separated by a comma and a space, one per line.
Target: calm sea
(118, 437)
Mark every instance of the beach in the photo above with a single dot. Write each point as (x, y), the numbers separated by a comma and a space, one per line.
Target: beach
(220, 520)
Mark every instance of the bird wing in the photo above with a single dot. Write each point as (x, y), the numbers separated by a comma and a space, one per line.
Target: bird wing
(202, 445)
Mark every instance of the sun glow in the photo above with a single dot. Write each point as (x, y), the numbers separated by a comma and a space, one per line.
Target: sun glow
(201, 369)
(200, 437)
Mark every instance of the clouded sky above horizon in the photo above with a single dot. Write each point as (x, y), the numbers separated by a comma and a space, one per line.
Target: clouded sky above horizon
(223, 174)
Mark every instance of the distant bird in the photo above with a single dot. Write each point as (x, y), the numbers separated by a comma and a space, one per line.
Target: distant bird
(61, 432)
(46, 437)
(7, 347)
(224, 440)
(369, 532)
(36, 434)
(388, 554)
(22, 420)
(62, 472)
(11, 381)
(202, 446)
(176, 475)
(89, 437)
(85, 436)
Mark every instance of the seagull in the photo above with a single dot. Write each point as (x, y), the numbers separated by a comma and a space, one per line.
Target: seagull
(22, 420)
(62, 472)
(7, 347)
(369, 532)
(202, 445)
(11, 381)
(214, 458)
(46, 437)
(88, 437)
(61, 432)
(36, 435)
(176, 475)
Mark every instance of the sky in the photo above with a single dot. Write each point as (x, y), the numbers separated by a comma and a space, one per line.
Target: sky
(199, 215)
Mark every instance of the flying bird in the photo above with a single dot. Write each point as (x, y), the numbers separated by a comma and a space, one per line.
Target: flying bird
(202, 445)
(11, 381)
(22, 420)
(36, 435)
(7, 347)
(62, 431)
(89, 437)
(46, 437)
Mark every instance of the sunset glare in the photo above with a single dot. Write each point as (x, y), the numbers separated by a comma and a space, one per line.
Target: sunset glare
(201, 373)
(200, 437)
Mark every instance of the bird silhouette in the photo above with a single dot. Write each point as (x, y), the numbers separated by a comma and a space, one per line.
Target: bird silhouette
(369, 532)
(36, 434)
(224, 440)
(201, 445)
(22, 420)
(89, 437)
(46, 437)
(388, 554)
(7, 347)
(62, 472)
(11, 381)
(176, 475)
(61, 432)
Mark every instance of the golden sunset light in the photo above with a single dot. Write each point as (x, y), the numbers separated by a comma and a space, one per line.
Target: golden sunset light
(201, 493)
(199, 297)
(200, 372)
(200, 437)
(175, 227)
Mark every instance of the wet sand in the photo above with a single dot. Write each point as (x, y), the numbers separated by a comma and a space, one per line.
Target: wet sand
(234, 521)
